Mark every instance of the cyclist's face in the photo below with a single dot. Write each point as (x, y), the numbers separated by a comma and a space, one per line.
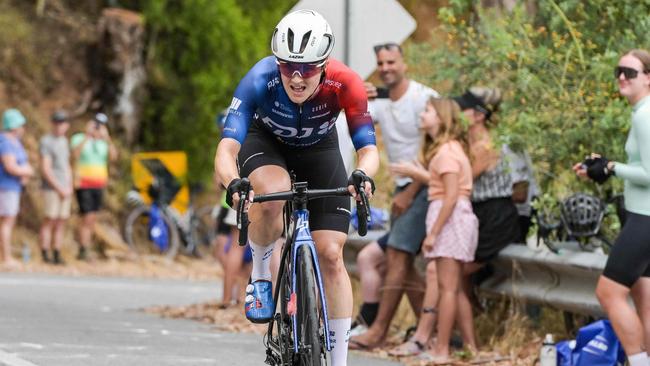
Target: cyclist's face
(637, 87)
(391, 66)
(429, 120)
(299, 88)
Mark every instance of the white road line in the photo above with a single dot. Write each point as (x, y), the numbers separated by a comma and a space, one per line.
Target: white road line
(8, 359)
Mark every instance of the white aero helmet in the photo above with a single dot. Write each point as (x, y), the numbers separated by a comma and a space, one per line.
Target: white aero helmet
(302, 36)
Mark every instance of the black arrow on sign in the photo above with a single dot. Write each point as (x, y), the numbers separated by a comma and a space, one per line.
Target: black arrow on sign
(169, 185)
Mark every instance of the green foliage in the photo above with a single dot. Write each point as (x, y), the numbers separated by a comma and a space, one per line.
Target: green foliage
(556, 71)
(198, 52)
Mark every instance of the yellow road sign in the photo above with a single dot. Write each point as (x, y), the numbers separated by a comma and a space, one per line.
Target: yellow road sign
(169, 168)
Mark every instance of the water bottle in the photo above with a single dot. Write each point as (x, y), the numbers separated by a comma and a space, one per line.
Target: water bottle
(26, 252)
(548, 353)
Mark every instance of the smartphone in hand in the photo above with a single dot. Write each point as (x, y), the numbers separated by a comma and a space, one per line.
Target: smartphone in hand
(382, 93)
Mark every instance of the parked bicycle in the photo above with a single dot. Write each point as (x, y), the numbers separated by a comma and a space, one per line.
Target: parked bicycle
(580, 219)
(160, 229)
(298, 333)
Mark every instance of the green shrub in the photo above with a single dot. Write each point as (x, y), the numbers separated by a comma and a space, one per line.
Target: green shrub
(556, 70)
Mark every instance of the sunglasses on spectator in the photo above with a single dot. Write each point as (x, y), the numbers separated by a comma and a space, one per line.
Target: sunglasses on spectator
(387, 46)
(629, 72)
(305, 71)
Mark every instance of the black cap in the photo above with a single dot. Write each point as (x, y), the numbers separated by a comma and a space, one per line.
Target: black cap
(471, 101)
(101, 118)
(59, 116)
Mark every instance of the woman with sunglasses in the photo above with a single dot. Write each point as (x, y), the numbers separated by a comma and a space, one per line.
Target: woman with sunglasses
(628, 267)
(282, 119)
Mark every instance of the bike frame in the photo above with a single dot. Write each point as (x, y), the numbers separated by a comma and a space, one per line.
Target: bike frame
(302, 236)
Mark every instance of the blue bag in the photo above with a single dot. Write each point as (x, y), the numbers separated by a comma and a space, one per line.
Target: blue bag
(378, 219)
(157, 229)
(595, 345)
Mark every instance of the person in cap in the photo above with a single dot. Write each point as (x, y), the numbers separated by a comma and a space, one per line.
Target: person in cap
(491, 194)
(91, 151)
(56, 186)
(15, 170)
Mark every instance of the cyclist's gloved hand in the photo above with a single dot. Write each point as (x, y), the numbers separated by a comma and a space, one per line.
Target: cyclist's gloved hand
(597, 169)
(233, 187)
(358, 177)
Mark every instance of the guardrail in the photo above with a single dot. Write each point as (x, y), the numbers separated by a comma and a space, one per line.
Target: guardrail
(566, 281)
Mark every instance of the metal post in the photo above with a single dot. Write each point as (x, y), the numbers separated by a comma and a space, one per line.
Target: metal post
(346, 39)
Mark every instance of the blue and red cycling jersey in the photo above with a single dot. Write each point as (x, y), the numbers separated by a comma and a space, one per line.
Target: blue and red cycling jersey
(260, 95)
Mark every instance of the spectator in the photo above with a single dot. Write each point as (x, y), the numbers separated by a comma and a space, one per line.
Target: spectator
(396, 109)
(14, 173)
(628, 267)
(452, 228)
(56, 187)
(491, 195)
(91, 151)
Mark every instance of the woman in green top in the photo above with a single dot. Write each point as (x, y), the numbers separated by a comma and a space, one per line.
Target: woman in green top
(628, 267)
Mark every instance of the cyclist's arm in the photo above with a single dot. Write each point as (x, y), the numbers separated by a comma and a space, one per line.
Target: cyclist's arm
(240, 114)
(368, 158)
(638, 174)
(225, 161)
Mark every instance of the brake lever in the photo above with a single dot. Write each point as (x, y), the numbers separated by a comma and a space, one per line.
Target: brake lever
(363, 212)
(242, 212)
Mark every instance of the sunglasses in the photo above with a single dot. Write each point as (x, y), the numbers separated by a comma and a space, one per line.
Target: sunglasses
(387, 46)
(305, 71)
(629, 72)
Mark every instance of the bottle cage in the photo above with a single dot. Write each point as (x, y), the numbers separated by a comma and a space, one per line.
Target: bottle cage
(582, 215)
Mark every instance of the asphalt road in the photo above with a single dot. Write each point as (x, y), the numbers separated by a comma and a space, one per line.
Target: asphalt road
(85, 321)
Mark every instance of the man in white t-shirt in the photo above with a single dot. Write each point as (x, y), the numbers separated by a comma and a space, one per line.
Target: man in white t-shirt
(396, 109)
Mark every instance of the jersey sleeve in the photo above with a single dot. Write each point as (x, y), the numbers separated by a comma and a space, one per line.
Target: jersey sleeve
(243, 106)
(354, 100)
(638, 174)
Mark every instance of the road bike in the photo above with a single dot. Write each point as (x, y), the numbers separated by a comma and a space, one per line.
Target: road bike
(158, 228)
(298, 334)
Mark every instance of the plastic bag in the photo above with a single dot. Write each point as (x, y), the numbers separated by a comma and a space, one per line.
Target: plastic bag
(595, 345)
(378, 219)
(157, 229)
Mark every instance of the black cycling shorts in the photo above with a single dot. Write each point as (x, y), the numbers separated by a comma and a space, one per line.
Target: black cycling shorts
(320, 165)
(629, 258)
(89, 199)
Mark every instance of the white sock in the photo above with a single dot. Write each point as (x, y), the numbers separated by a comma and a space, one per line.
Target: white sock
(261, 261)
(639, 359)
(339, 337)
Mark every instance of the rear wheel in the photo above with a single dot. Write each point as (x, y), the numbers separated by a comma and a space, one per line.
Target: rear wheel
(136, 234)
(310, 341)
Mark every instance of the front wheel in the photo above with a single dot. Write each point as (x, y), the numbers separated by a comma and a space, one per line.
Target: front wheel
(310, 341)
(136, 233)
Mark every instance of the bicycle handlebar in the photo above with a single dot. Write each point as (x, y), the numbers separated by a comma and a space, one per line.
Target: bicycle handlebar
(299, 191)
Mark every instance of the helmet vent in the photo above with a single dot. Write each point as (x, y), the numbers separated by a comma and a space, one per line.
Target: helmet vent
(274, 42)
(290, 39)
(325, 45)
(305, 40)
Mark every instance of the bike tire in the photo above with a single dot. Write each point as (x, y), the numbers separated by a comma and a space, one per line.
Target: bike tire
(136, 229)
(309, 326)
(283, 322)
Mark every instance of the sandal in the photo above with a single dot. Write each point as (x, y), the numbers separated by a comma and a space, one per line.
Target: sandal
(435, 359)
(407, 349)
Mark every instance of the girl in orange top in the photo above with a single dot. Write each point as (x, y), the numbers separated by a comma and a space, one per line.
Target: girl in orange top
(452, 227)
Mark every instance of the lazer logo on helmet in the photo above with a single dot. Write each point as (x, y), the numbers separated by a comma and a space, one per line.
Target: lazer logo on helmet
(296, 56)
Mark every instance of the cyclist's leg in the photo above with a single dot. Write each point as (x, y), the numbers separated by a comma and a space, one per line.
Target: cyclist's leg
(338, 290)
(262, 160)
(626, 264)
